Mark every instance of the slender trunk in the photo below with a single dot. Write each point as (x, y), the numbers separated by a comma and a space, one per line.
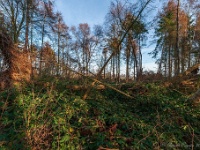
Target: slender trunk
(67, 63)
(27, 25)
(113, 65)
(87, 61)
(169, 61)
(58, 69)
(177, 61)
(140, 56)
(127, 63)
(105, 58)
(134, 71)
(161, 60)
(31, 48)
(116, 68)
(134, 49)
(42, 46)
(111, 69)
(119, 64)
(83, 61)
(183, 56)
(189, 53)
(141, 69)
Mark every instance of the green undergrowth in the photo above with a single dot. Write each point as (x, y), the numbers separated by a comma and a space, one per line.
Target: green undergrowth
(54, 117)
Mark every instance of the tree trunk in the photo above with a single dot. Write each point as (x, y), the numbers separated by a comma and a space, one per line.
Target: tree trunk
(177, 61)
(169, 62)
(127, 63)
(118, 71)
(27, 25)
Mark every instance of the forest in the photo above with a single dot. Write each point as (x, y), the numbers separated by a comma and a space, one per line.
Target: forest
(84, 87)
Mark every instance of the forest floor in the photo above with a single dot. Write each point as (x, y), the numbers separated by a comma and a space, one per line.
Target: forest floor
(47, 114)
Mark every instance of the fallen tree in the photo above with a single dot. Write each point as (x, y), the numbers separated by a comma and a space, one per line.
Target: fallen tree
(96, 81)
(191, 71)
(84, 87)
(195, 98)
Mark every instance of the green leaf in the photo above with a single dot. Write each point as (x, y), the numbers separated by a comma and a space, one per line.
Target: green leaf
(66, 138)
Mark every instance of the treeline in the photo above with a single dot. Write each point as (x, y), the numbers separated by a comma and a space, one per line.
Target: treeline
(57, 49)
(177, 34)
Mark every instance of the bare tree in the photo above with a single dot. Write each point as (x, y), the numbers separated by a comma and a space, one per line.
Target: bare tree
(14, 11)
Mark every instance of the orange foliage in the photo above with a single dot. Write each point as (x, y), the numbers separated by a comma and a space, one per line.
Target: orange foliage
(48, 59)
(17, 60)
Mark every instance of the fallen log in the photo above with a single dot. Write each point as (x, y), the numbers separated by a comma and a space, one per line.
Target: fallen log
(192, 70)
(102, 148)
(84, 87)
(99, 82)
(195, 99)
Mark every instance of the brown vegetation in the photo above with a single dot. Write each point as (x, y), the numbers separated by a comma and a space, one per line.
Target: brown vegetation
(17, 60)
(39, 137)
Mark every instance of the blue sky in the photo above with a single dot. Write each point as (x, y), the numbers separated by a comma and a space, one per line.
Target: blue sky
(93, 12)
(83, 11)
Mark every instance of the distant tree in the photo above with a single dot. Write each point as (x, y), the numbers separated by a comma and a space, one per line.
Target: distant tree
(133, 50)
(197, 38)
(98, 38)
(48, 60)
(45, 19)
(119, 20)
(113, 33)
(61, 31)
(84, 45)
(173, 54)
(194, 12)
(1, 28)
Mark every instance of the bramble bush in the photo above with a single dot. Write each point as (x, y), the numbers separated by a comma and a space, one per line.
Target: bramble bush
(53, 117)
